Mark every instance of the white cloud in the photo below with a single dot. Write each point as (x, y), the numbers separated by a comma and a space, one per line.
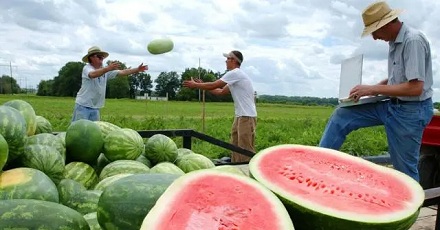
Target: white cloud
(290, 47)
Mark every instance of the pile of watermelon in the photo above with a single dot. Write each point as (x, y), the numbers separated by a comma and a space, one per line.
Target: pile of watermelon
(97, 175)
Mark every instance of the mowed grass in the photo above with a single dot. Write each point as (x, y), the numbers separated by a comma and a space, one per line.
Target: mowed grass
(276, 124)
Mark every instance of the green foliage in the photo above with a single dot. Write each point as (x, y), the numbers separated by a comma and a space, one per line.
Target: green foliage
(68, 81)
(167, 83)
(8, 85)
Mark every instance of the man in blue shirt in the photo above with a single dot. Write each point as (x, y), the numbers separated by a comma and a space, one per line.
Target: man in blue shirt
(409, 85)
(91, 96)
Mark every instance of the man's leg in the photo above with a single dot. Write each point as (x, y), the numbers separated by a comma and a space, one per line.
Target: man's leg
(79, 112)
(347, 119)
(246, 136)
(234, 139)
(94, 114)
(404, 127)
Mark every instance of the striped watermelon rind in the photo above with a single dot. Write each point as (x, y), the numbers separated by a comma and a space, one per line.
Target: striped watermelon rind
(167, 167)
(82, 173)
(4, 152)
(123, 166)
(38, 214)
(160, 148)
(13, 129)
(92, 220)
(106, 128)
(124, 204)
(123, 144)
(104, 183)
(83, 141)
(193, 162)
(43, 125)
(46, 159)
(74, 195)
(27, 183)
(28, 113)
(49, 140)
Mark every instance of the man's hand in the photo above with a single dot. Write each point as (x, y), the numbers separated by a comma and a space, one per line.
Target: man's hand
(360, 91)
(113, 66)
(142, 67)
(190, 83)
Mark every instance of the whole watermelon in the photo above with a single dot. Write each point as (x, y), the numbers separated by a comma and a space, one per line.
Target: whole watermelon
(123, 166)
(27, 183)
(13, 129)
(82, 173)
(167, 167)
(4, 152)
(125, 203)
(123, 144)
(106, 127)
(46, 159)
(193, 162)
(38, 214)
(83, 141)
(74, 195)
(28, 113)
(160, 148)
(43, 125)
(47, 139)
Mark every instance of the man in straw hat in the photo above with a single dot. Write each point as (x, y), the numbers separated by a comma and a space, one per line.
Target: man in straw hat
(239, 85)
(91, 95)
(408, 85)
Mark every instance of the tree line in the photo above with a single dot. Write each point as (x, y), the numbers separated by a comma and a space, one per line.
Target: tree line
(68, 82)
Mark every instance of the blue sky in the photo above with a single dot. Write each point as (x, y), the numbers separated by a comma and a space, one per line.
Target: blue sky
(290, 47)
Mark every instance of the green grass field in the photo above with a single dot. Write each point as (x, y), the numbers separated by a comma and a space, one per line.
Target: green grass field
(276, 124)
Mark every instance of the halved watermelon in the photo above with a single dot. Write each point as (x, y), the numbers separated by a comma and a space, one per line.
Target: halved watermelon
(328, 189)
(209, 199)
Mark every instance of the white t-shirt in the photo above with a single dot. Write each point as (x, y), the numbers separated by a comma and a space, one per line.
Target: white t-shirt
(242, 91)
(92, 91)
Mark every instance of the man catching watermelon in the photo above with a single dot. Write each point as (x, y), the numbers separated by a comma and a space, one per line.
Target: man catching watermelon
(409, 86)
(239, 84)
(91, 95)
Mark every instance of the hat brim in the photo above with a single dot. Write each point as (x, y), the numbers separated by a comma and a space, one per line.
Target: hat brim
(231, 55)
(86, 57)
(375, 26)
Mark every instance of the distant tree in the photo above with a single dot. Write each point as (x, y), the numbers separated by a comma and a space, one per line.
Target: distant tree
(8, 85)
(140, 83)
(45, 88)
(167, 82)
(186, 94)
(68, 81)
(118, 87)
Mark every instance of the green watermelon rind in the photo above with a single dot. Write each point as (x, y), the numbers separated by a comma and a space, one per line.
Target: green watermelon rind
(92, 220)
(122, 167)
(43, 125)
(125, 203)
(37, 214)
(82, 173)
(28, 113)
(160, 148)
(123, 144)
(34, 184)
(167, 167)
(74, 195)
(305, 213)
(46, 159)
(104, 183)
(4, 152)
(49, 140)
(153, 218)
(84, 141)
(13, 129)
(193, 162)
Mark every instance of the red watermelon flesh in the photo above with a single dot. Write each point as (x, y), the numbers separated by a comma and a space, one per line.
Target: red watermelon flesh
(337, 184)
(208, 199)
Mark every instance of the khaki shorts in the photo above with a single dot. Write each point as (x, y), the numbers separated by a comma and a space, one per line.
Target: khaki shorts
(243, 136)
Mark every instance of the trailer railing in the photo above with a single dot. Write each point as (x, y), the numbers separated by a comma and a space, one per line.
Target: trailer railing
(432, 196)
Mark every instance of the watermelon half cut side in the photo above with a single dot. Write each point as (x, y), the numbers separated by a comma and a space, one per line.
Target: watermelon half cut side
(211, 200)
(328, 189)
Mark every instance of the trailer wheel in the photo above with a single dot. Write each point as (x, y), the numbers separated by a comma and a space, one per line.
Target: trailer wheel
(429, 167)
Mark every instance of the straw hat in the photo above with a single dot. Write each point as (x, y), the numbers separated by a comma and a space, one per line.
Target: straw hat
(377, 15)
(94, 50)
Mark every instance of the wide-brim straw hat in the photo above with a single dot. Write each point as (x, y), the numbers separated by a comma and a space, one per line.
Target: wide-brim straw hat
(94, 50)
(377, 15)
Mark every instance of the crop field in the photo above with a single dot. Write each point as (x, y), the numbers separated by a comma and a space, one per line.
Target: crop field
(276, 124)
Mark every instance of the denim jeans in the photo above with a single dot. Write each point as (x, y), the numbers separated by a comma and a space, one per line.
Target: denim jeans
(404, 124)
(82, 112)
